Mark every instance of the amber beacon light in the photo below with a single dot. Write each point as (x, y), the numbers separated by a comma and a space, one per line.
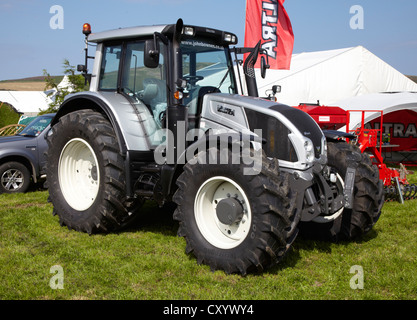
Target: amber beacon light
(86, 29)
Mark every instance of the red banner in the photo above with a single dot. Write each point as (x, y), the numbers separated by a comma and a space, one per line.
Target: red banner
(268, 21)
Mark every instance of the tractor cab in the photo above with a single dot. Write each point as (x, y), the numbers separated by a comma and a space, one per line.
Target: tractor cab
(160, 66)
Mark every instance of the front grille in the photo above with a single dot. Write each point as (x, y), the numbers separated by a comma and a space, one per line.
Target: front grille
(275, 133)
(304, 123)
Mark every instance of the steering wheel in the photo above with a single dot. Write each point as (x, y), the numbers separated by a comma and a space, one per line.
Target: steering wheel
(193, 79)
(162, 116)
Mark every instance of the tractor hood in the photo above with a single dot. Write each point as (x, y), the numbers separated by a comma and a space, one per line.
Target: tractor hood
(290, 135)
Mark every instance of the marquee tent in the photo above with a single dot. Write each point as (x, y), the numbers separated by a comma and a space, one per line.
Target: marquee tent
(330, 76)
(399, 116)
(66, 84)
(26, 102)
(386, 102)
(30, 102)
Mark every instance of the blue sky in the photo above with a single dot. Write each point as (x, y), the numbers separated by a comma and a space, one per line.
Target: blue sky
(28, 44)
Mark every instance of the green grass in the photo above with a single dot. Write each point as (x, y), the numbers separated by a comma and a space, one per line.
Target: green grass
(148, 260)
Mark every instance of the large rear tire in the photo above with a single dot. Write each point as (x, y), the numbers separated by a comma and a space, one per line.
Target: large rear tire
(85, 174)
(235, 222)
(368, 197)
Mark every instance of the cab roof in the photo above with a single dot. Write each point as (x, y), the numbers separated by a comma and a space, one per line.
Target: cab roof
(168, 29)
(122, 33)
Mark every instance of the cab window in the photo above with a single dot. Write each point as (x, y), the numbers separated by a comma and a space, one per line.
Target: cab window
(147, 85)
(110, 67)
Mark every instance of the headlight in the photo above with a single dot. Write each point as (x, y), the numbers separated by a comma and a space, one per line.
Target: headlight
(189, 31)
(309, 149)
(230, 38)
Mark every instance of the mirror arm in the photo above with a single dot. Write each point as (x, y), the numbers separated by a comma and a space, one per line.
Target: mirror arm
(163, 38)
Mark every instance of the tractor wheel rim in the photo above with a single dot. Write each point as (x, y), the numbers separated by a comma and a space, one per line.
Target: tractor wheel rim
(78, 174)
(12, 179)
(220, 235)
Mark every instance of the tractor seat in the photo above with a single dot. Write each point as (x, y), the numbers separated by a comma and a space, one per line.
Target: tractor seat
(149, 93)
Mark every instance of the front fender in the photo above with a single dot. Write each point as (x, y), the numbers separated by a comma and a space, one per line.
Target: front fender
(170, 172)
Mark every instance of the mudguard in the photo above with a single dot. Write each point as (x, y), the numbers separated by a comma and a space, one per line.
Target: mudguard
(133, 122)
(335, 135)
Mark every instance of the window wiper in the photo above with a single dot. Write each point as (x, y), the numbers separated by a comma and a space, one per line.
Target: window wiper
(225, 76)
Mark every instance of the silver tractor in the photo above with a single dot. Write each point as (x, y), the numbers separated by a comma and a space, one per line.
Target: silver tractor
(163, 121)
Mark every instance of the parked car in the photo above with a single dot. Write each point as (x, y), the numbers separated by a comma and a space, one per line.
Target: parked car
(22, 156)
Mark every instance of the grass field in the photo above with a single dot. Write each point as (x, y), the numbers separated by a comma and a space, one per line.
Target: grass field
(27, 84)
(148, 261)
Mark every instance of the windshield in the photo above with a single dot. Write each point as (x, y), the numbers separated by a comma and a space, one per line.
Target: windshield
(206, 64)
(36, 127)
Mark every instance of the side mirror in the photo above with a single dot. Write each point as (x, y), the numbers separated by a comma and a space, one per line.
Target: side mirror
(81, 68)
(151, 53)
(264, 67)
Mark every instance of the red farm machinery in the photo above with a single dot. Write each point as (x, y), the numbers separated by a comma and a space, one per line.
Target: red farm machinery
(332, 118)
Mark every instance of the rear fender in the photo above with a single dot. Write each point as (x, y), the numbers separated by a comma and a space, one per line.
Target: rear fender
(87, 101)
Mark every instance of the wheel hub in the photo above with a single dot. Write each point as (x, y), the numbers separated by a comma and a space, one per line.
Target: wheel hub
(12, 179)
(94, 175)
(229, 211)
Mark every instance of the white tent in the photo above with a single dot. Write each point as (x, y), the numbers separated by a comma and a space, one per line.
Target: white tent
(386, 102)
(26, 102)
(330, 76)
(400, 120)
(66, 84)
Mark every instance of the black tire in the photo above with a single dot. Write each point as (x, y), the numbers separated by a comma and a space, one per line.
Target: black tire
(14, 177)
(271, 226)
(106, 208)
(368, 197)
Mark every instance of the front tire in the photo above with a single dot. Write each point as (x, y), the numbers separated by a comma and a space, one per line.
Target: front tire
(85, 173)
(235, 222)
(368, 197)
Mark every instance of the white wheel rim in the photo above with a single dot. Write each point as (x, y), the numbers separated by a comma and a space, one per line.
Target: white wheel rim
(220, 235)
(325, 219)
(78, 174)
